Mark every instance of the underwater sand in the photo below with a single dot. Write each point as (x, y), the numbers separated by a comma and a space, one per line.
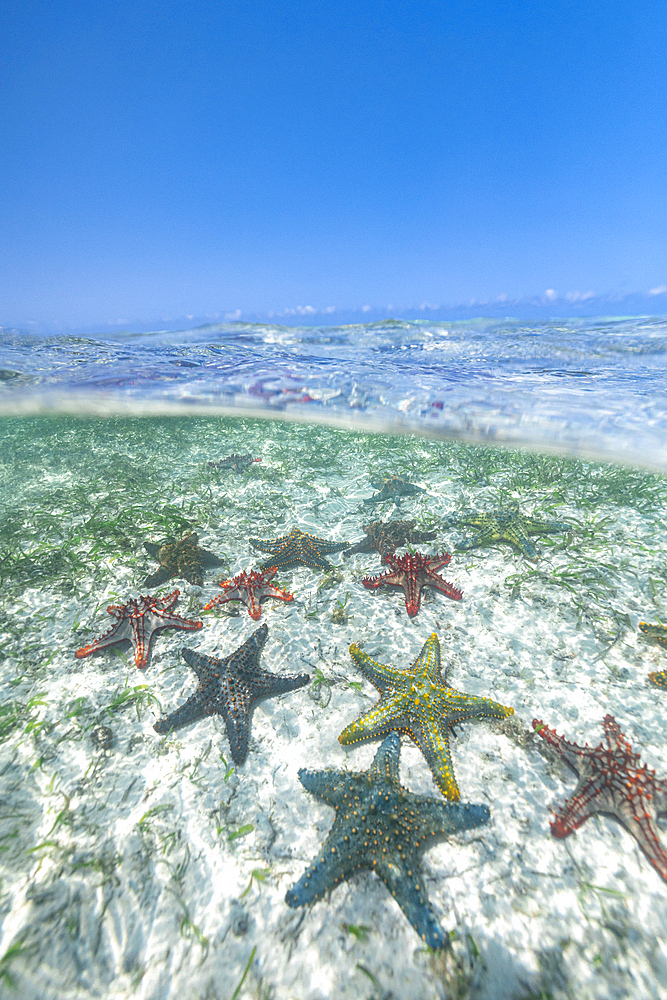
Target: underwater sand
(156, 869)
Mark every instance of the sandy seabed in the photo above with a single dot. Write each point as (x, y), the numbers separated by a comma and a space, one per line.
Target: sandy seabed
(156, 869)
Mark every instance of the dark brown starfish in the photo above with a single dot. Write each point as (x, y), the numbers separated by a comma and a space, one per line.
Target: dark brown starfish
(183, 559)
(387, 536)
(611, 782)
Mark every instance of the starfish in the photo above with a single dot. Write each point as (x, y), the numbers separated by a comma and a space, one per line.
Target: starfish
(298, 548)
(412, 572)
(392, 488)
(239, 463)
(416, 701)
(184, 559)
(657, 632)
(230, 687)
(138, 621)
(507, 524)
(386, 536)
(382, 827)
(250, 588)
(611, 782)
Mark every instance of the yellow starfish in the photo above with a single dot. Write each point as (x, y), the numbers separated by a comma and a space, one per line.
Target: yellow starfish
(416, 701)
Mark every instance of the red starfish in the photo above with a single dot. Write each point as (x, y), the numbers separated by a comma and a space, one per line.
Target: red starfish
(138, 621)
(412, 572)
(611, 782)
(250, 588)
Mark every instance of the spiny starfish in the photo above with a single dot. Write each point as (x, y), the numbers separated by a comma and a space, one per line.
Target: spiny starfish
(230, 687)
(250, 588)
(239, 463)
(416, 701)
(412, 572)
(184, 559)
(138, 621)
(386, 536)
(392, 488)
(611, 782)
(298, 548)
(507, 524)
(659, 633)
(381, 826)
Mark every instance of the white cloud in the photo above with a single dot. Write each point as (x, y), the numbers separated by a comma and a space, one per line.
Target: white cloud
(231, 316)
(502, 297)
(365, 309)
(550, 294)
(579, 296)
(660, 290)
(329, 310)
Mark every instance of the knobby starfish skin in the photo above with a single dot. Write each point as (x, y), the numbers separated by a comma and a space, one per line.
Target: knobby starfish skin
(506, 524)
(250, 588)
(392, 488)
(386, 536)
(239, 463)
(230, 687)
(416, 701)
(138, 621)
(184, 559)
(298, 548)
(412, 572)
(657, 632)
(611, 782)
(381, 826)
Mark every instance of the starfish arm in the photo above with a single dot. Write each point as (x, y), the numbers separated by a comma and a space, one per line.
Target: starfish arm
(237, 723)
(329, 785)
(407, 888)
(189, 570)
(365, 545)
(388, 577)
(267, 544)
(427, 663)
(574, 755)
(159, 577)
(588, 799)
(644, 833)
(268, 590)
(152, 549)
(434, 744)
(385, 764)
(191, 711)
(267, 685)
(535, 524)
(377, 673)
(119, 631)
(388, 714)
(518, 537)
(209, 558)
(334, 864)
(444, 818)
(433, 580)
(455, 706)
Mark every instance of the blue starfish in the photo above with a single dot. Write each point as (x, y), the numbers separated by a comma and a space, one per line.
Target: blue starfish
(507, 524)
(230, 688)
(381, 826)
(298, 548)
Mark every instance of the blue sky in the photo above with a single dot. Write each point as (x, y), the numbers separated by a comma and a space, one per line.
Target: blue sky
(228, 159)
